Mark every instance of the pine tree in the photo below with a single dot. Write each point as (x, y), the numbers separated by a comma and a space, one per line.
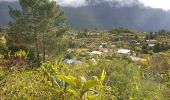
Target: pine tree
(35, 20)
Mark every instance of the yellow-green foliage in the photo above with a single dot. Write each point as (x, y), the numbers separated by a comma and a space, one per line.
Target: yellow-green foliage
(21, 54)
(128, 83)
(119, 80)
(77, 87)
(2, 73)
(3, 40)
(23, 85)
(3, 46)
(1, 57)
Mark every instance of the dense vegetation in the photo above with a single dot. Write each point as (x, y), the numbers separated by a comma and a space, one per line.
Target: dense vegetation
(119, 80)
(35, 49)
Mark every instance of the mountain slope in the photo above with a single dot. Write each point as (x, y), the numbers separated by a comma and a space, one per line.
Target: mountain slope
(4, 15)
(105, 15)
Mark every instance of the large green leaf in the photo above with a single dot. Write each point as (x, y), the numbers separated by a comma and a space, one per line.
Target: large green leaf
(58, 62)
(75, 93)
(90, 84)
(70, 80)
(83, 80)
(103, 76)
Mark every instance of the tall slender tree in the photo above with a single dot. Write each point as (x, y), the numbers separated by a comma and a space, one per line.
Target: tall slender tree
(35, 20)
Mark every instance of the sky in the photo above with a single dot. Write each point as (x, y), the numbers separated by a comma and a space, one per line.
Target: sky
(163, 4)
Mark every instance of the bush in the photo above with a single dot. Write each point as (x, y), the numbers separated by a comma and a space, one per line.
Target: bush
(21, 49)
(128, 83)
(18, 59)
(2, 73)
(26, 84)
(120, 80)
(77, 87)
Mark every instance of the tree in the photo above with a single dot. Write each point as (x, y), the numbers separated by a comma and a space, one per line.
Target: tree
(157, 47)
(145, 48)
(35, 20)
(136, 37)
(83, 34)
(151, 35)
(50, 15)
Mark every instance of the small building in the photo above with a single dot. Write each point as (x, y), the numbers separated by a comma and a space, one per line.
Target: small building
(96, 53)
(72, 61)
(93, 33)
(100, 46)
(103, 45)
(124, 51)
(138, 43)
(113, 46)
(133, 41)
(151, 45)
(151, 41)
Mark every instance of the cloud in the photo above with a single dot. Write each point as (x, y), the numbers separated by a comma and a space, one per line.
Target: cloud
(163, 4)
(124, 3)
(72, 3)
(7, 0)
(79, 3)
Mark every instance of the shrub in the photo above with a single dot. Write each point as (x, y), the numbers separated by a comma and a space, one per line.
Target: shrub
(23, 85)
(2, 73)
(21, 54)
(19, 58)
(77, 87)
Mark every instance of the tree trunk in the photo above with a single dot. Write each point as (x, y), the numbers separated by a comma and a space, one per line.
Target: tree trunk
(44, 49)
(37, 49)
(44, 53)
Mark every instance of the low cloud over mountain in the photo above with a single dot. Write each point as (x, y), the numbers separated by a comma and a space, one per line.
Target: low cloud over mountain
(106, 14)
(80, 3)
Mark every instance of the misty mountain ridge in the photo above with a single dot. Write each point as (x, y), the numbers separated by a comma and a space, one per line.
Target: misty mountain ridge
(115, 3)
(106, 15)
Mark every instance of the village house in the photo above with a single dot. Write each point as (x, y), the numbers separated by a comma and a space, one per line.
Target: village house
(103, 45)
(72, 61)
(96, 53)
(151, 43)
(124, 51)
(113, 46)
(93, 33)
(133, 41)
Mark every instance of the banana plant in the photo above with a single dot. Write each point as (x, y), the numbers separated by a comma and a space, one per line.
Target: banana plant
(52, 70)
(73, 87)
(82, 88)
(79, 86)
